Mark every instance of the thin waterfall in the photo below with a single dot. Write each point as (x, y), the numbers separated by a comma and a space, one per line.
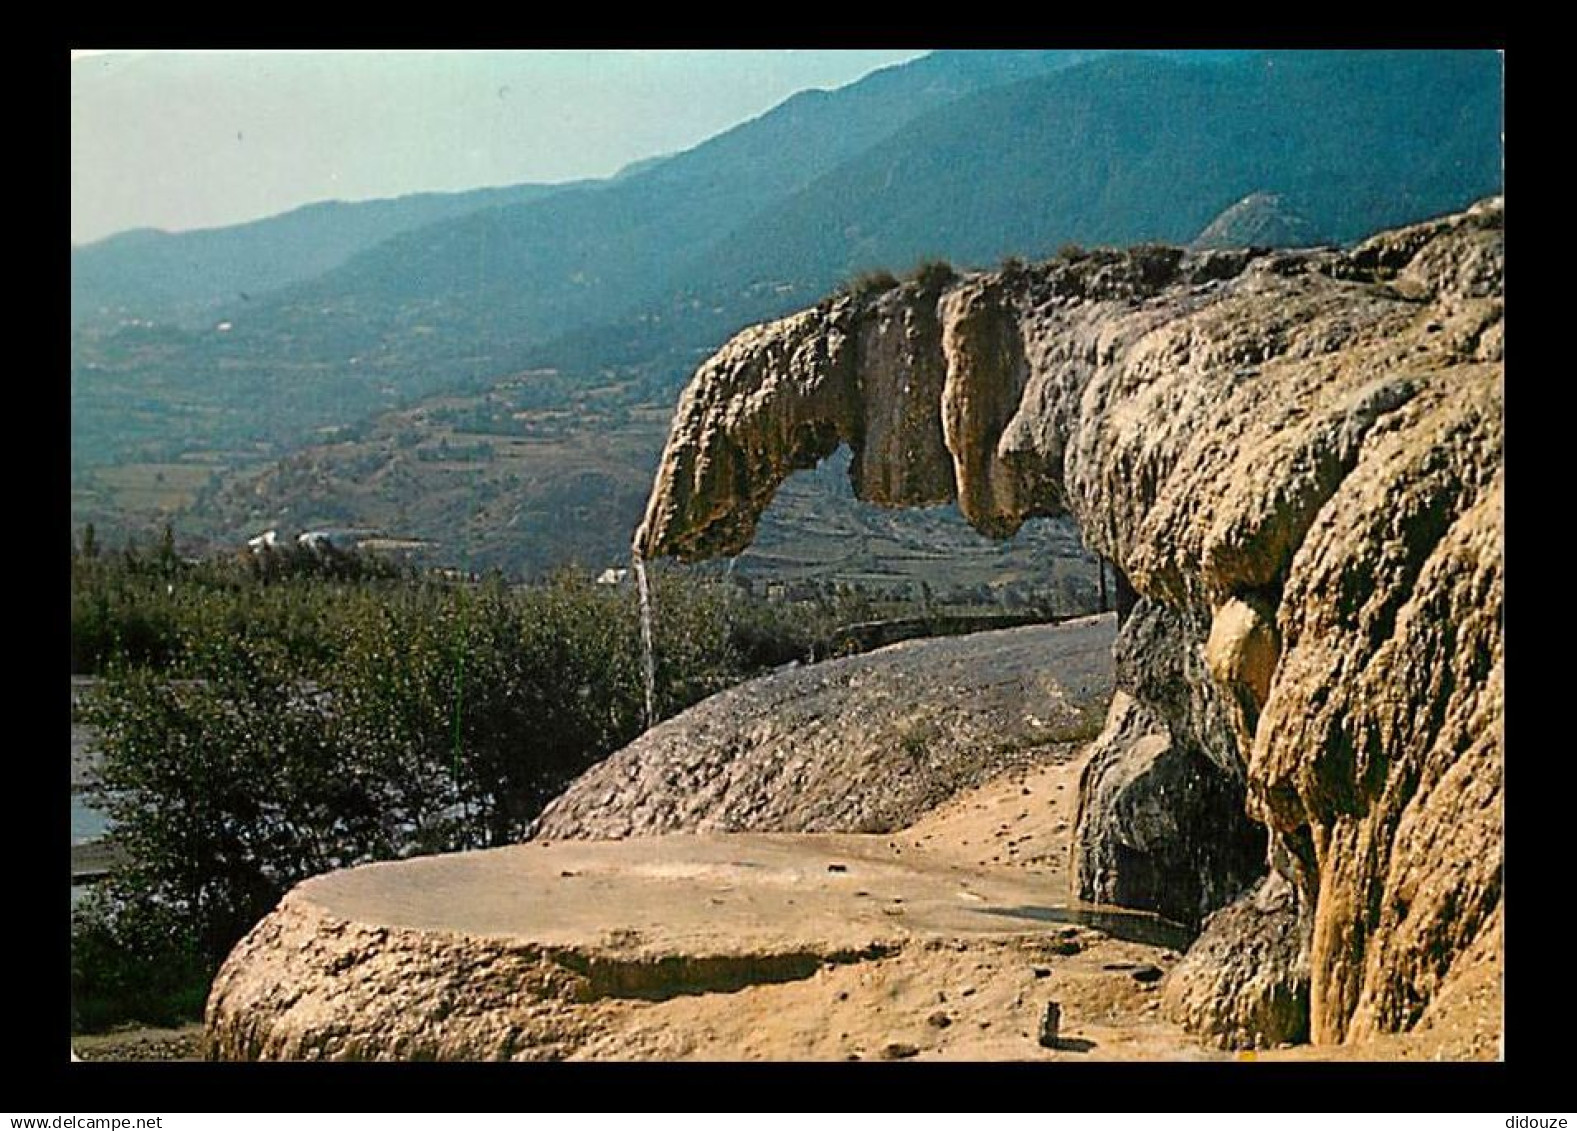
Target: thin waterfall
(648, 657)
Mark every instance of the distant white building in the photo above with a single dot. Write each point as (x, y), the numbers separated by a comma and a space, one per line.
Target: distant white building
(320, 540)
(264, 541)
(613, 576)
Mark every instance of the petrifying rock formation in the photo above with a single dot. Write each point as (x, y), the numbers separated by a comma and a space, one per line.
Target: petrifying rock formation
(779, 754)
(1294, 459)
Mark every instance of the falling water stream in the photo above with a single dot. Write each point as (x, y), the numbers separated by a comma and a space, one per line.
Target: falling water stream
(648, 659)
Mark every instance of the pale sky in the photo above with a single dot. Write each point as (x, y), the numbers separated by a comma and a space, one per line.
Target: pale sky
(178, 140)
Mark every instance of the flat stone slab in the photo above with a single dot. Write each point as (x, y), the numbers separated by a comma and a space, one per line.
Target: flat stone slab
(695, 894)
(527, 952)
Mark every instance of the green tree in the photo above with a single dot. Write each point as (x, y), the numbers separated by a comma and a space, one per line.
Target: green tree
(167, 557)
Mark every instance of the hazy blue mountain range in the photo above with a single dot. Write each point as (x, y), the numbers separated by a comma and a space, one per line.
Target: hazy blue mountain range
(148, 273)
(1131, 149)
(171, 276)
(613, 290)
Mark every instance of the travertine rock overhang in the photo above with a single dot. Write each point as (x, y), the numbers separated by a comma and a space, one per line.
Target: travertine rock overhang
(1295, 461)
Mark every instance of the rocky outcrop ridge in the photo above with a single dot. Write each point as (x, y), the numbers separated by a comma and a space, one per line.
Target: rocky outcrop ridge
(1294, 459)
(1260, 219)
(866, 743)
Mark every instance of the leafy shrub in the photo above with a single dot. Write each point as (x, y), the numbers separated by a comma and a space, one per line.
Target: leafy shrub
(1155, 264)
(137, 964)
(933, 274)
(133, 607)
(869, 284)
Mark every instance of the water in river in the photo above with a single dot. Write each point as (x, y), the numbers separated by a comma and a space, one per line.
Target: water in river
(87, 823)
(1133, 926)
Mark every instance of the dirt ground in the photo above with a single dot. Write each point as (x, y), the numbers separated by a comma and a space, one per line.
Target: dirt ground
(140, 1042)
